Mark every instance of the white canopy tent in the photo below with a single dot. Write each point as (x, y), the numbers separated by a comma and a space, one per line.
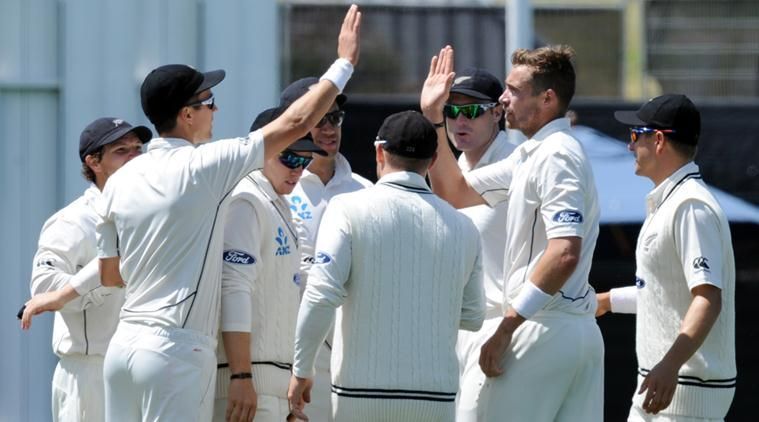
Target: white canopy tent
(622, 194)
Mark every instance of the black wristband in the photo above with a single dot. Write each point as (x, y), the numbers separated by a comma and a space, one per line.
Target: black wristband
(439, 125)
(241, 376)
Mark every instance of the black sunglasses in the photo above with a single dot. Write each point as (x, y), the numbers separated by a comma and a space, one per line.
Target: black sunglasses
(335, 118)
(292, 160)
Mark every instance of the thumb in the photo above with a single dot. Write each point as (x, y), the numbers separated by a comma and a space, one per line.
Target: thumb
(643, 386)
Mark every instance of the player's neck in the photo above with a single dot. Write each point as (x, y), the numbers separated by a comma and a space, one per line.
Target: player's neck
(324, 167)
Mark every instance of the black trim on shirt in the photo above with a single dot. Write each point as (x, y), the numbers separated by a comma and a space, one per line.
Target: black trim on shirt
(696, 381)
(695, 175)
(393, 394)
(532, 241)
(408, 188)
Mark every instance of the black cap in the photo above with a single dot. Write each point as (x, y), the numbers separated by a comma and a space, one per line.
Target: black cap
(304, 144)
(167, 89)
(106, 130)
(296, 90)
(477, 83)
(670, 111)
(408, 134)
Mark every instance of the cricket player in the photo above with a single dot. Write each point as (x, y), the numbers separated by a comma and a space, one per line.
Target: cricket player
(473, 119)
(684, 293)
(403, 270)
(66, 255)
(551, 228)
(327, 175)
(159, 236)
(260, 287)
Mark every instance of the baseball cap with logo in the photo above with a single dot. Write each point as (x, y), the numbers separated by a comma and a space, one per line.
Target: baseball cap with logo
(304, 144)
(477, 83)
(296, 90)
(408, 134)
(669, 111)
(106, 130)
(167, 89)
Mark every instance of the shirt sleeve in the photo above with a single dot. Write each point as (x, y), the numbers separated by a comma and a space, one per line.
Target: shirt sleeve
(242, 247)
(492, 181)
(699, 243)
(473, 303)
(325, 290)
(225, 162)
(62, 246)
(560, 184)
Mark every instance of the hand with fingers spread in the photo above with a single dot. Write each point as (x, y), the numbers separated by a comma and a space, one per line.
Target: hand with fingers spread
(437, 85)
(298, 395)
(46, 302)
(493, 351)
(659, 386)
(242, 401)
(348, 43)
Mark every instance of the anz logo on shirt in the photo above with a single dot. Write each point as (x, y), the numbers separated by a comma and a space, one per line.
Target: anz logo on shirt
(282, 241)
(298, 206)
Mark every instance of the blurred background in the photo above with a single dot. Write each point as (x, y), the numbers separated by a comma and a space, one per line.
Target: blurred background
(64, 63)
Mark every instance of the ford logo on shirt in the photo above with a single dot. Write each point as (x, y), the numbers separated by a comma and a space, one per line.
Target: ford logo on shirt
(568, 216)
(322, 258)
(640, 283)
(238, 257)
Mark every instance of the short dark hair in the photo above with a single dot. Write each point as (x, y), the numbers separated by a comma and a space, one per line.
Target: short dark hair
(86, 170)
(417, 165)
(687, 150)
(551, 69)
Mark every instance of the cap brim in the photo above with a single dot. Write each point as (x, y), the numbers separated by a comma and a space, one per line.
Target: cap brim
(306, 145)
(211, 79)
(629, 118)
(143, 133)
(473, 94)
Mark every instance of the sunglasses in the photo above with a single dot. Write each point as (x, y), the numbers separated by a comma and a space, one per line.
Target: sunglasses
(335, 118)
(208, 102)
(636, 132)
(292, 160)
(470, 111)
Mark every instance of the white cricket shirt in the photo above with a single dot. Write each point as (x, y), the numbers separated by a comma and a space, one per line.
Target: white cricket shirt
(67, 255)
(551, 193)
(491, 223)
(160, 214)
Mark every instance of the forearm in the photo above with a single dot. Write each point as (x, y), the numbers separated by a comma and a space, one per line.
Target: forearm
(237, 348)
(110, 272)
(699, 319)
(314, 321)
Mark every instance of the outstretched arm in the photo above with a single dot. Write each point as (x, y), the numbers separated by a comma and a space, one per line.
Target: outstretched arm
(306, 112)
(446, 177)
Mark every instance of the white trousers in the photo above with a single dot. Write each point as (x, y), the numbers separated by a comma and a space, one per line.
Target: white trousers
(471, 377)
(553, 373)
(268, 409)
(159, 374)
(78, 394)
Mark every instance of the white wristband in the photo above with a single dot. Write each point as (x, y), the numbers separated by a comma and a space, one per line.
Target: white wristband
(530, 300)
(339, 73)
(624, 300)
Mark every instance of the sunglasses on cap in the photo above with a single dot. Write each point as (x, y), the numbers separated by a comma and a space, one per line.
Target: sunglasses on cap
(470, 111)
(335, 118)
(208, 102)
(636, 132)
(292, 160)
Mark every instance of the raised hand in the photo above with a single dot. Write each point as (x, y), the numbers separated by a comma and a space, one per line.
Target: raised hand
(348, 43)
(438, 83)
